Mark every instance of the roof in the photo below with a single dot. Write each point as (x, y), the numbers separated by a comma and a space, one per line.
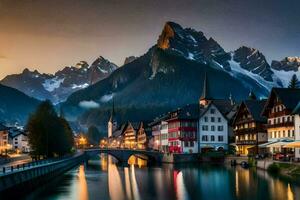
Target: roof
(255, 107)
(190, 111)
(224, 105)
(288, 96)
(14, 132)
(297, 109)
(3, 128)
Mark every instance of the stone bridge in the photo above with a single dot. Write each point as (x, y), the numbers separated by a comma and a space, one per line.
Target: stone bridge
(122, 155)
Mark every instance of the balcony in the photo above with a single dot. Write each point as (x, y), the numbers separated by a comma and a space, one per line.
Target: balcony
(282, 124)
(246, 142)
(248, 130)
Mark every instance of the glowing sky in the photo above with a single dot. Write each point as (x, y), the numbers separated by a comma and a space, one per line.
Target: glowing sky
(48, 35)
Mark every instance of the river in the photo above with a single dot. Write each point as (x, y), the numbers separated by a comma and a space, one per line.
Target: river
(101, 178)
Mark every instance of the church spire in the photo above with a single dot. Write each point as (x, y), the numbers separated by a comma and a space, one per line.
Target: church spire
(205, 96)
(112, 114)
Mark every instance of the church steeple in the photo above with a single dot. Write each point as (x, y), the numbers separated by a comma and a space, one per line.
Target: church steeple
(205, 96)
(112, 113)
(112, 123)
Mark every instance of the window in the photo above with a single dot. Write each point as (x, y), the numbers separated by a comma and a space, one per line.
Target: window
(212, 111)
(220, 138)
(219, 119)
(289, 133)
(212, 128)
(212, 138)
(205, 119)
(191, 144)
(220, 128)
(204, 138)
(204, 128)
(212, 119)
(186, 143)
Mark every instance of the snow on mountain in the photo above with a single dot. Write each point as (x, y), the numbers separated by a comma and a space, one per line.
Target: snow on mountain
(52, 84)
(57, 87)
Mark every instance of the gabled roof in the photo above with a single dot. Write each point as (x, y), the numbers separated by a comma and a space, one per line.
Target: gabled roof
(224, 105)
(3, 128)
(288, 96)
(254, 107)
(190, 111)
(204, 110)
(14, 132)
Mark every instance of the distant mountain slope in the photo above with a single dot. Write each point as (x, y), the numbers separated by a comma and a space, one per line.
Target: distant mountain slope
(15, 106)
(154, 82)
(57, 87)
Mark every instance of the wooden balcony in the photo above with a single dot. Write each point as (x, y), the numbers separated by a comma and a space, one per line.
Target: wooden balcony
(246, 142)
(282, 124)
(252, 130)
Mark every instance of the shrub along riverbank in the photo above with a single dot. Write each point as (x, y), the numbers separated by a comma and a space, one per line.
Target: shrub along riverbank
(288, 170)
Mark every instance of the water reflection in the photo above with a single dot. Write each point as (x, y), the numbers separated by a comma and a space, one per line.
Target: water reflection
(82, 189)
(105, 180)
(115, 185)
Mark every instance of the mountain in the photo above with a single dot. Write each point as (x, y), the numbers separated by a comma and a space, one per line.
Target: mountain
(57, 87)
(286, 68)
(169, 75)
(129, 59)
(15, 106)
(254, 61)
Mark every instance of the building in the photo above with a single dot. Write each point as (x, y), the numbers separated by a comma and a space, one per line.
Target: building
(279, 112)
(4, 145)
(213, 122)
(112, 122)
(159, 129)
(182, 129)
(213, 127)
(164, 137)
(296, 113)
(19, 140)
(250, 127)
(143, 136)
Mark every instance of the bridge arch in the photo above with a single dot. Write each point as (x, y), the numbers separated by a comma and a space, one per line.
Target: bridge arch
(123, 155)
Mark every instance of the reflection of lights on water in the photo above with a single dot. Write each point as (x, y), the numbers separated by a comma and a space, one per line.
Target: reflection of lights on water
(83, 190)
(180, 189)
(290, 195)
(134, 185)
(127, 183)
(114, 181)
(133, 160)
(237, 183)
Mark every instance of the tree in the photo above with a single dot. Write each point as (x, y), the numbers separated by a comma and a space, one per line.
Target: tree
(252, 96)
(294, 82)
(49, 135)
(94, 136)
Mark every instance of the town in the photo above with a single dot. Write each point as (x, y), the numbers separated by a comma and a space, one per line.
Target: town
(259, 128)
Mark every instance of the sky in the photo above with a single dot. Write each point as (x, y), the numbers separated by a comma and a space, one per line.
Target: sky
(49, 34)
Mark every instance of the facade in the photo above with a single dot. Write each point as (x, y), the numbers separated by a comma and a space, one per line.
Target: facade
(278, 110)
(213, 129)
(156, 128)
(143, 136)
(250, 128)
(182, 130)
(164, 137)
(4, 145)
(18, 140)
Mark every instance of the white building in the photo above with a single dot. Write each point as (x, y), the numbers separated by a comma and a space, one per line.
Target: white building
(213, 128)
(18, 140)
(164, 136)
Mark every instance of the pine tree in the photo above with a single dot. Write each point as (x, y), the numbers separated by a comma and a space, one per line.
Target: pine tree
(294, 82)
(252, 96)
